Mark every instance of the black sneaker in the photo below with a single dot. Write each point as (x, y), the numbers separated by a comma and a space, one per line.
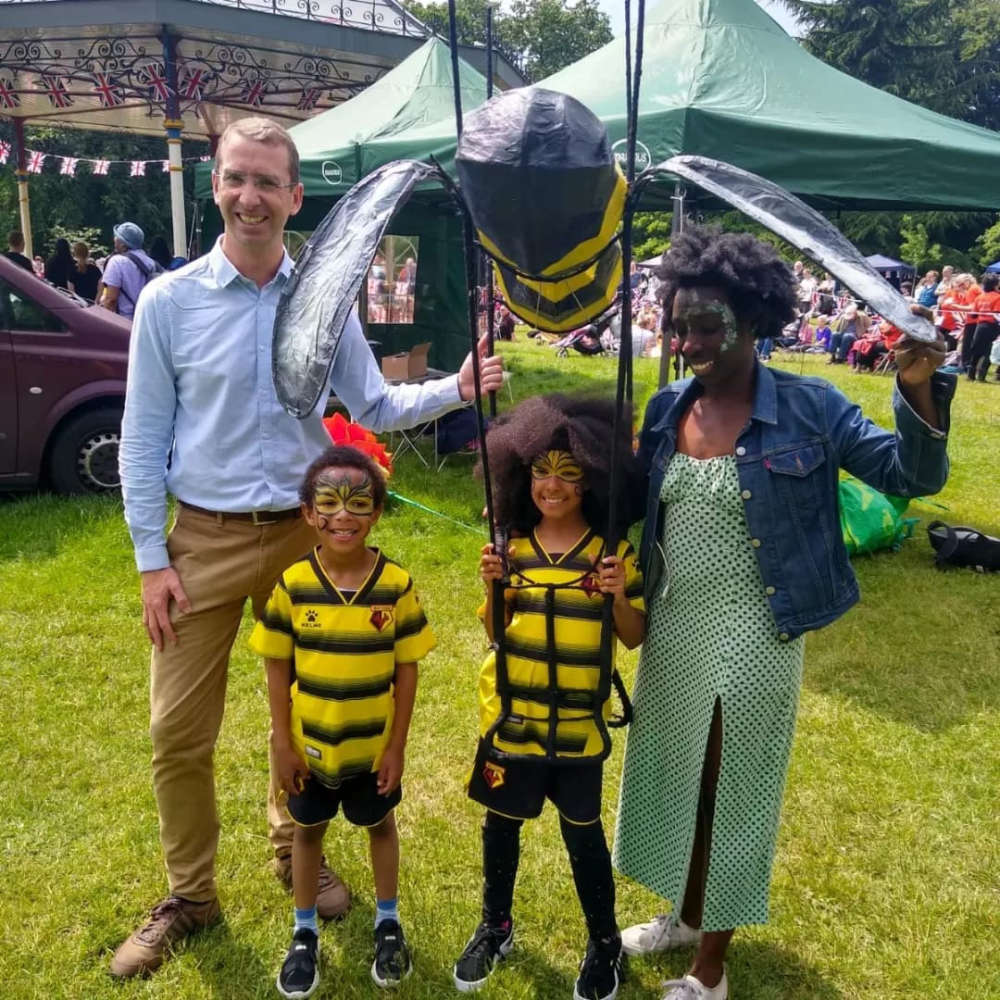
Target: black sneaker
(299, 974)
(485, 948)
(601, 971)
(392, 958)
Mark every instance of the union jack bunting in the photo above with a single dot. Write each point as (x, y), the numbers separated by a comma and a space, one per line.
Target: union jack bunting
(100, 167)
(192, 83)
(68, 168)
(4, 151)
(56, 92)
(253, 93)
(166, 166)
(153, 75)
(138, 168)
(8, 96)
(309, 98)
(35, 161)
(108, 90)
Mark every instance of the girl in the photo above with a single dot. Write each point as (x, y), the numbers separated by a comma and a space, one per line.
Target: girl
(545, 697)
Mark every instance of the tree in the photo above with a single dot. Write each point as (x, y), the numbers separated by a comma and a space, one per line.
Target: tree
(539, 37)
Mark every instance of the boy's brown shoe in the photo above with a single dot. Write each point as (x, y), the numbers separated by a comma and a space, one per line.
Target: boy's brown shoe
(333, 898)
(171, 921)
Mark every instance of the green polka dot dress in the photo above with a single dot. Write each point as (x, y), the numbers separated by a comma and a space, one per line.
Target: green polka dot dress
(711, 635)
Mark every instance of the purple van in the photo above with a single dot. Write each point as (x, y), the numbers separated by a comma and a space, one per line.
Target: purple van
(62, 387)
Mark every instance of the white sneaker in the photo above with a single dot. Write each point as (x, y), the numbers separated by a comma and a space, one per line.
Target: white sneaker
(660, 934)
(690, 988)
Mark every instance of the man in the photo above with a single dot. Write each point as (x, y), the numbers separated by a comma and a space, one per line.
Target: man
(202, 421)
(926, 292)
(15, 246)
(128, 271)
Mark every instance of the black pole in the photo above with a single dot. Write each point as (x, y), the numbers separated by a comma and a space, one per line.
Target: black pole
(490, 320)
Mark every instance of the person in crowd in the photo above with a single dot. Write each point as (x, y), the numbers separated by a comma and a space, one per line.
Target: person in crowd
(806, 289)
(15, 249)
(879, 341)
(949, 321)
(341, 709)
(38, 265)
(59, 267)
(906, 290)
(742, 554)
(160, 252)
(826, 303)
(551, 461)
(986, 309)
(506, 324)
(970, 293)
(926, 292)
(86, 275)
(128, 272)
(851, 324)
(822, 336)
(203, 422)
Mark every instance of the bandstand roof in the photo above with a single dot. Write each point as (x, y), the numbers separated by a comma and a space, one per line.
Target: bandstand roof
(105, 64)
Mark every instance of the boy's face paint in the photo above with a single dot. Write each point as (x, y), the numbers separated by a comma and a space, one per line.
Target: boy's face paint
(337, 491)
(560, 464)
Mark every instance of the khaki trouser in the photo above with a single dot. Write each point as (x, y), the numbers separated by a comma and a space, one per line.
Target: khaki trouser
(221, 564)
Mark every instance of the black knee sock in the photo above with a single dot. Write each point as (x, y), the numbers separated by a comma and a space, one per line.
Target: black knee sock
(501, 852)
(590, 860)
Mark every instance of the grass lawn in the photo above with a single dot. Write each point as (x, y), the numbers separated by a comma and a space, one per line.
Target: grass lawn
(887, 880)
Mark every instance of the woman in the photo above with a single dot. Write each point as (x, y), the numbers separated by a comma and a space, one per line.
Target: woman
(742, 555)
(86, 274)
(59, 267)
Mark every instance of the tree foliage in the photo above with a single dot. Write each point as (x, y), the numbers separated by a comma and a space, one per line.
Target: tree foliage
(539, 37)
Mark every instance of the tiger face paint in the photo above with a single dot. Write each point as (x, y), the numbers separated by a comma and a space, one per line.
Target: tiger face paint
(560, 464)
(343, 510)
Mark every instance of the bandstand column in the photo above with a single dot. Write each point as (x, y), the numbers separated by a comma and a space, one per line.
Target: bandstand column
(173, 125)
(23, 200)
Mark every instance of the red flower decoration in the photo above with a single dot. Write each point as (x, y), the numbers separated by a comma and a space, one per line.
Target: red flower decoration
(343, 431)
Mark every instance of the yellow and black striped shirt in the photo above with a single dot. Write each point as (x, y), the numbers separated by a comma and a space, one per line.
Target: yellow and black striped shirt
(344, 649)
(577, 643)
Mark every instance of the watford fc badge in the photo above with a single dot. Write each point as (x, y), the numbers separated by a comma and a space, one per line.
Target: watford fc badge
(493, 774)
(590, 586)
(381, 615)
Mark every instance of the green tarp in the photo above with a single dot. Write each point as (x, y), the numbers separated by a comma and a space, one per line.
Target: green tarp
(722, 79)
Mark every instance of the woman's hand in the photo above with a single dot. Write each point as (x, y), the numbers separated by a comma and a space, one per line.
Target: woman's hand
(917, 360)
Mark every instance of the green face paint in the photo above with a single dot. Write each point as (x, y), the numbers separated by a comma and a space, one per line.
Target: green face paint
(695, 304)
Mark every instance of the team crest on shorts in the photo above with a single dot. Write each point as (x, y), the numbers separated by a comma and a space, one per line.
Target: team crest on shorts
(381, 615)
(493, 774)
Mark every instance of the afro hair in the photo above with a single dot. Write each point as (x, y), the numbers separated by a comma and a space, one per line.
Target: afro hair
(760, 285)
(579, 425)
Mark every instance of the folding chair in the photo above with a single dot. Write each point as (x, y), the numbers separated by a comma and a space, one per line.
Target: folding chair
(885, 364)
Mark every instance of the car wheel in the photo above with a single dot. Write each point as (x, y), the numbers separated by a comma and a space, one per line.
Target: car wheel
(84, 455)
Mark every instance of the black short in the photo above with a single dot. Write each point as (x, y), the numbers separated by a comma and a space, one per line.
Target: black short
(518, 789)
(363, 805)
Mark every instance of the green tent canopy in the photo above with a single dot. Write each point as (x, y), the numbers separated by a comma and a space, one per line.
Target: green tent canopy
(722, 79)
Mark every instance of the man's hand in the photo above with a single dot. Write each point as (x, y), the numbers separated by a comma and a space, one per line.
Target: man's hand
(292, 769)
(391, 771)
(490, 372)
(159, 586)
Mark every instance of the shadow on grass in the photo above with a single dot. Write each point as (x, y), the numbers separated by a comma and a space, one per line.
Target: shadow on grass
(757, 970)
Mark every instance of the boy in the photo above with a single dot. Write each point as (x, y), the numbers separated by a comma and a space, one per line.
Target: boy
(341, 634)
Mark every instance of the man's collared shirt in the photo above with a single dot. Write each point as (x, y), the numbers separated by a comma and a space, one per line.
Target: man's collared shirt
(200, 398)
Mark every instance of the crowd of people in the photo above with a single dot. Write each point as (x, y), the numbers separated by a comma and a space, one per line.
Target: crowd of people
(113, 281)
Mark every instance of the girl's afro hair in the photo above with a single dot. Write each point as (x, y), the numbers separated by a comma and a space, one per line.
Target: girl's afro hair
(760, 285)
(579, 425)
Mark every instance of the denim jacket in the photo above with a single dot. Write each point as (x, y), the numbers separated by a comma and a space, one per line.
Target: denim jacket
(801, 432)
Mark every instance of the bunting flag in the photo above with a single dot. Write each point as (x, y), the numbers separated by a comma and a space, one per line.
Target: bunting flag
(68, 167)
(253, 92)
(100, 167)
(309, 98)
(56, 92)
(157, 80)
(138, 168)
(4, 151)
(35, 161)
(191, 83)
(166, 166)
(109, 92)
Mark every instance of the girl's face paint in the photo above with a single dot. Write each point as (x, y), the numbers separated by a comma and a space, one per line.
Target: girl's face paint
(560, 464)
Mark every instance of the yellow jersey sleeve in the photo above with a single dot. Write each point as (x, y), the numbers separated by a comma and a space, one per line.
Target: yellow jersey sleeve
(633, 576)
(414, 638)
(272, 636)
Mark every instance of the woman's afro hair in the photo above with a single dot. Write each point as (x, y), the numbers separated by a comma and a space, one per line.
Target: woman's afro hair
(579, 425)
(760, 285)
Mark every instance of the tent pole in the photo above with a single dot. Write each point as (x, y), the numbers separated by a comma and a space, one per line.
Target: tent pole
(23, 200)
(491, 5)
(676, 226)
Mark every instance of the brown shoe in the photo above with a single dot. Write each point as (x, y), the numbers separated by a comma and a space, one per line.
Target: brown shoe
(333, 898)
(172, 920)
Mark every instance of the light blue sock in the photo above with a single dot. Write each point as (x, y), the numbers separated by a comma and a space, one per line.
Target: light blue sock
(386, 909)
(306, 919)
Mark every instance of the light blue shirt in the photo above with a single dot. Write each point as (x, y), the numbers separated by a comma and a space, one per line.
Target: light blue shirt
(200, 396)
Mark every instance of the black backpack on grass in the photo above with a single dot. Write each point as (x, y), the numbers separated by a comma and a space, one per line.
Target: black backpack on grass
(961, 546)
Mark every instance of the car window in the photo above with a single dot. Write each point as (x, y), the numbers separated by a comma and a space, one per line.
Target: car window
(19, 312)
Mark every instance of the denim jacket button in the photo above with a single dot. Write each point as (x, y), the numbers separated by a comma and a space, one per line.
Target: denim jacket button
(741, 451)
(769, 591)
(746, 494)
(755, 542)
